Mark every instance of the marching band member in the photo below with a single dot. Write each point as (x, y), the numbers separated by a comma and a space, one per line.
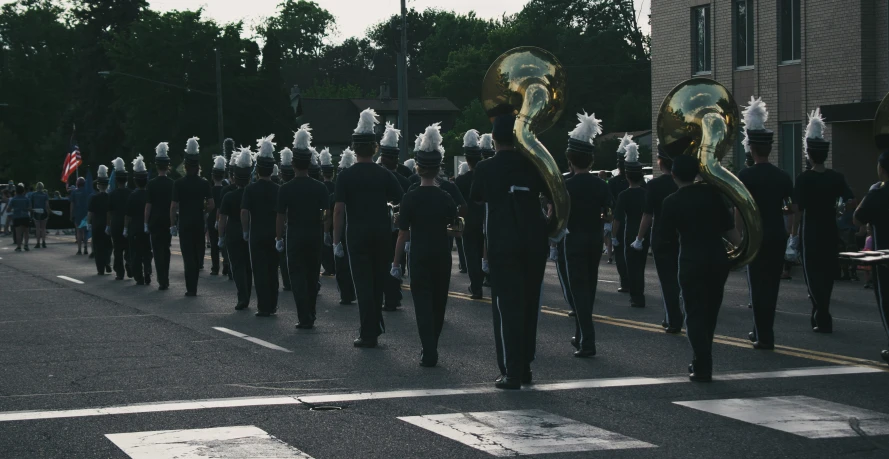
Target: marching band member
(117, 209)
(426, 212)
(770, 187)
(218, 175)
(139, 242)
(301, 202)
(627, 219)
(158, 197)
(98, 218)
(287, 174)
(617, 185)
(389, 160)
(361, 216)
(258, 221)
(343, 270)
(189, 194)
(473, 233)
(327, 258)
(231, 231)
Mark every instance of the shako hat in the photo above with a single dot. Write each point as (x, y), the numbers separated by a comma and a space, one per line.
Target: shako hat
(581, 139)
(389, 142)
(431, 152)
(192, 152)
(471, 141)
(364, 132)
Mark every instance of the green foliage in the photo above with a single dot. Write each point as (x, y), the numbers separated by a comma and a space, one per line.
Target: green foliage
(472, 117)
(330, 90)
(300, 26)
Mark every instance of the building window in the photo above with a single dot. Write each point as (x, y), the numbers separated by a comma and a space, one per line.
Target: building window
(701, 38)
(790, 30)
(792, 148)
(744, 33)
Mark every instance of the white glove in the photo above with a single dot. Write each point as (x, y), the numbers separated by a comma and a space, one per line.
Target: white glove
(145, 226)
(395, 271)
(338, 250)
(279, 245)
(614, 242)
(124, 232)
(637, 244)
(174, 231)
(485, 268)
(407, 246)
(221, 243)
(246, 235)
(328, 240)
(89, 226)
(608, 227)
(553, 254)
(108, 230)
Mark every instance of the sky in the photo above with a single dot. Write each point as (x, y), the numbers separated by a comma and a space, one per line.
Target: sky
(353, 17)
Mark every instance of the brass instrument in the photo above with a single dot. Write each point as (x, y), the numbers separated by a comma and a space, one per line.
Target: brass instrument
(700, 118)
(455, 229)
(530, 83)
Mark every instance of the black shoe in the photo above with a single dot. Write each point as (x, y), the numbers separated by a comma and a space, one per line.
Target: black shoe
(476, 296)
(610, 260)
(428, 364)
(885, 356)
(214, 272)
(462, 270)
(585, 353)
(44, 246)
(764, 346)
(147, 280)
(327, 274)
(664, 324)
(623, 290)
(752, 337)
(391, 308)
(346, 303)
(575, 343)
(91, 254)
(637, 305)
(572, 313)
(365, 342)
(305, 326)
(507, 383)
(37, 245)
(118, 278)
(700, 377)
(527, 376)
(107, 268)
(828, 329)
(26, 248)
(79, 252)
(163, 287)
(191, 293)
(225, 271)
(241, 306)
(263, 314)
(286, 289)
(673, 330)
(100, 273)
(138, 282)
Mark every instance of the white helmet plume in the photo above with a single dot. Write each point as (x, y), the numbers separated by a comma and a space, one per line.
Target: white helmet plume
(139, 164)
(410, 164)
(755, 115)
(390, 137)
(219, 163)
(471, 139)
(587, 129)
(624, 141)
(325, 157)
(103, 171)
(314, 161)
(302, 139)
(464, 168)
(192, 147)
(347, 159)
(275, 171)
(266, 146)
(486, 142)
(233, 161)
(286, 157)
(418, 141)
(815, 128)
(366, 122)
(432, 139)
(161, 150)
(632, 152)
(245, 158)
(118, 164)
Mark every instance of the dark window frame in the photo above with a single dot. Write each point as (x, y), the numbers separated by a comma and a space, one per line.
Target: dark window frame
(745, 38)
(791, 155)
(705, 66)
(789, 31)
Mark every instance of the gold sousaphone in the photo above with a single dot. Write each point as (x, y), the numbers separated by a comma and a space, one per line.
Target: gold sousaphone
(529, 83)
(699, 118)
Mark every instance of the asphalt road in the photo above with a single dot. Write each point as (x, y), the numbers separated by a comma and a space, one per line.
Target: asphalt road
(98, 368)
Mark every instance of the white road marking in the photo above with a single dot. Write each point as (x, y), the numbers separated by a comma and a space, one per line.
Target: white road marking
(512, 433)
(252, 339)
(183, 405)
(70, 279)
(219, 442)
(608, 281)
(800, 415)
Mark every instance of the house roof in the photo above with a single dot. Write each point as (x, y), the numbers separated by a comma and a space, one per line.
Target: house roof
(619, 134)
(426, 104)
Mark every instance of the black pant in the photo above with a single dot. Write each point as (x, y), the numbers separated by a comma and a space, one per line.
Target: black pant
(193, 245)
(160, 246)
(635, 272)
(473, 244)
(703, 285)
(430, 281)
(461, 254)
(242, 272)
(285, 271)
(121, 253)
(764, 279)
(214, 248)
(580, 270)
(666, 261)
(391, 285)
(819, 259)
(562, 271)
(621, 261)
(265, 261)
(344, 283)
(370, 257)
(101, 250)
(516, 283)
(303, 262)
(327, 261)
(881, 290)
(140, 255)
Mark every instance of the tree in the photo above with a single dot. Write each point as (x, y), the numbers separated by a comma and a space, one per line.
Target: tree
(301, 27)
(330, 90)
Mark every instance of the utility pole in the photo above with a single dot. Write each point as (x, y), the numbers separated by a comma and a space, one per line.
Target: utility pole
(402, 85)
(219, 99)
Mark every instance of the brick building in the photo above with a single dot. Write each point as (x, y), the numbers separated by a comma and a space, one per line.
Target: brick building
(795, 54)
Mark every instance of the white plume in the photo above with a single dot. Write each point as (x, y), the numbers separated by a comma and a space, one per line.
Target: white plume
(746, 142)
(418, 141)
(103, 171)
(119, 164)
(266, 146)
(391, 136)
(464, 168)
(192, 147)
(347, 159)
(302, 139)
(815, 128)
(588, 128)
(325, 157)
(366, 122)
(245, 158)
(755, 115)
(624, 141)
(275, 170)
(486, 142)
(233, 161)
(471, 139)
(632, 152)
(410, 164)
(432, 138)
(219, 163)
(286, 157)
(315, 158)
(139, 164)
(161, 149)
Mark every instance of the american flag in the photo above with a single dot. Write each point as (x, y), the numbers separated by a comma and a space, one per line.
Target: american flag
(72, 162)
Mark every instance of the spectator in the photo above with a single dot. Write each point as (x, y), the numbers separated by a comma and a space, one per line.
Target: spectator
(21, 207)
(4, 206)
(40, 210)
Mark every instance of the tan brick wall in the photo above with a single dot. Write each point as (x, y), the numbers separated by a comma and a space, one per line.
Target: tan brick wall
(881, 44)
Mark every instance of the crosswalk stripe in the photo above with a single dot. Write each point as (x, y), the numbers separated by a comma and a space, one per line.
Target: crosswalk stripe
(252, 339)
(218, 442)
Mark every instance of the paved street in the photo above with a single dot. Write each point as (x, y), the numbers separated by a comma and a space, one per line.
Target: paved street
(93, 367)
